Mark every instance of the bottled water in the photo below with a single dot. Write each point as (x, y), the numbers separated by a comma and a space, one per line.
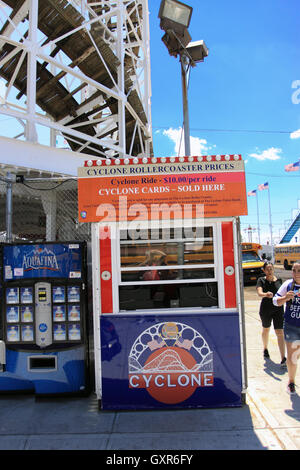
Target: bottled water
(74, 332)
(26, 296)
(58, 314)
(12, 296)
(59, 333)
(13, 333)
(74, 313)
(73, 294)
(12, 315)
(58, 294)
(27, 333)
(27, 315)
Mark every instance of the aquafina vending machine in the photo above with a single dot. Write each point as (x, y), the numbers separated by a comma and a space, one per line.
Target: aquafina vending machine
(44, 318)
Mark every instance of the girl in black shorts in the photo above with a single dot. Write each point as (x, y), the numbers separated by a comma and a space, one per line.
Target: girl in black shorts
(266, 287)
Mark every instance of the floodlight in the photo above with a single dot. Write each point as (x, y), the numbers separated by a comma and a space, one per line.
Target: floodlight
(197, 50)
(174, 15)
(174, 44)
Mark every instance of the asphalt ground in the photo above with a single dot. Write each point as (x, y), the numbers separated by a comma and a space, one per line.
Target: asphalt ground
(269, 420)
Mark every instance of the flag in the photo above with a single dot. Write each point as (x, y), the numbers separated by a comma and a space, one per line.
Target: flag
(263, 186)
(252, 193)
(292, 166)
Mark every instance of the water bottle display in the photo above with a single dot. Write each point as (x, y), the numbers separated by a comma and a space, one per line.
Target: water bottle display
(59, 332)
(12, 314)
(27, 333)
(19, 314)
(12, 296)
(13, 334)
(59, 313)
(73, 294)
(74, 313)
(74, 332)
(58, 294)
(64, 313)
(27, 314)
(26, 295)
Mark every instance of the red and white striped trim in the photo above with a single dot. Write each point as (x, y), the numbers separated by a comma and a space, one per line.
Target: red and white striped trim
(145, 160)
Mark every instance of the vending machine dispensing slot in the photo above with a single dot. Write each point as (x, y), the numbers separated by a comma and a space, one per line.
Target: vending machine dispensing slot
(39, 363)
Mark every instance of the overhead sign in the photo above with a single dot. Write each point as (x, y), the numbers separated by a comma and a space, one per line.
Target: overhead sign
(175, 187)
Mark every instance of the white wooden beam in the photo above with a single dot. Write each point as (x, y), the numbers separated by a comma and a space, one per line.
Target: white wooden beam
(39, 157)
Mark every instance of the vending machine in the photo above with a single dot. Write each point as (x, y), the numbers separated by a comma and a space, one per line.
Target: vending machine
(44, 318)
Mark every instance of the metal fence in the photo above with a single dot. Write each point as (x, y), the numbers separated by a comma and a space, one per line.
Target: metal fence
(42, 211)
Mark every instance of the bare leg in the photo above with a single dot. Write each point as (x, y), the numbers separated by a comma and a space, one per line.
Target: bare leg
(280, 341)
(293, 351)
(265, 337)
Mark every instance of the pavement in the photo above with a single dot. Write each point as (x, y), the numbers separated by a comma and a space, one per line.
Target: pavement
(270, 419)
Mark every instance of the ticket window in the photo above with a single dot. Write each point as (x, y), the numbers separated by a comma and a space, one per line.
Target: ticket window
(170, 268)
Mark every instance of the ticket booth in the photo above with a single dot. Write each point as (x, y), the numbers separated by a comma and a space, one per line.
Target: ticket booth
(167, 284)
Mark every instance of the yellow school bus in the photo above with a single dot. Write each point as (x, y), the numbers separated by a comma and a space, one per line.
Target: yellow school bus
(251, 262)
(287, 254)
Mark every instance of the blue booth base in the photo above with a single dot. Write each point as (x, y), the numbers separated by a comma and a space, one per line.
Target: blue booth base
(171, 361)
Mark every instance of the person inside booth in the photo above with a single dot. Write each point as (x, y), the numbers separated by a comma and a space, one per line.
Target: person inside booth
(153, 258)
(157, 258)
(160, 293)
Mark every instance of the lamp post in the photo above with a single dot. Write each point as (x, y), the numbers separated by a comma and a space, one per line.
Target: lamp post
(175, 18)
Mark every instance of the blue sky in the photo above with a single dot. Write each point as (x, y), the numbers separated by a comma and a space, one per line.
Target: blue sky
(244, 98)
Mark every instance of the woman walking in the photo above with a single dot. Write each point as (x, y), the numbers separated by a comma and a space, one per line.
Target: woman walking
(289, 294)
(266, 287)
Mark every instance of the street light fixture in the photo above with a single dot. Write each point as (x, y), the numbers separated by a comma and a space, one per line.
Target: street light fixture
(197, 51)
(175, 18)
(174, 15)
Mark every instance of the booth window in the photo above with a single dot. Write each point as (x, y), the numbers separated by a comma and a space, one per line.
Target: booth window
(170, 268)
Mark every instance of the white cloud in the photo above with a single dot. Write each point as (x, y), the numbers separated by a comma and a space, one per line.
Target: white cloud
(198, 146)
(295, 134)
(269, 154)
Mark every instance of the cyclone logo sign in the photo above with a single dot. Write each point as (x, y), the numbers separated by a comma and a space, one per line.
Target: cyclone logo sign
(170, 360)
